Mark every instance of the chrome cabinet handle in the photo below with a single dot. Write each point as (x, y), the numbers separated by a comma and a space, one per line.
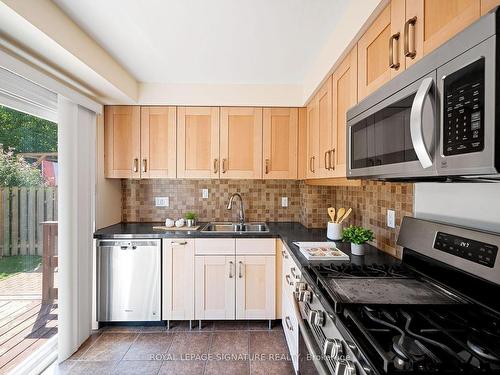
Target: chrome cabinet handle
(310, 164)
(135, 166)
(327, 154)
(392, 64)
(223, 165)
(288, 280)
(313, 170)
(216, 165)
(240, 274)
(332, 160)
(416, 125)
(288, 323)
(178, 243)
(231, 264)
(144, 165)
(284, 254)
(410, 22)
(267, 166)
(294, 275)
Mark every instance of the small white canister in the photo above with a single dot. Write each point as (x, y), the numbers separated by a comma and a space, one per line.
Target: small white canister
(334, 231)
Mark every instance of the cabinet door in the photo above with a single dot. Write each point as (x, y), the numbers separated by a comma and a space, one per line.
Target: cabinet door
(255, 287)
(158, 142)
(178, 279)
(344, 97)
(312, 139)
(373, 54)
(487, 5)
(241, 142)
(198, 142)
(324, 105)
(215, 287)
(122, 134)
(440, 20)
(280, 143)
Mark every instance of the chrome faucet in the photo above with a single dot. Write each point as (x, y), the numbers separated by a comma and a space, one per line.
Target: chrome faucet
(242, 209)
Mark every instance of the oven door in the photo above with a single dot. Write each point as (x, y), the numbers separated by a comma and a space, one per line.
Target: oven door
(396, 137)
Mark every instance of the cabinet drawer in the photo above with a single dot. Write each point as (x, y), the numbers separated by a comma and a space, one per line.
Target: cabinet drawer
(214, 246)
(291, 329)
(256, 246)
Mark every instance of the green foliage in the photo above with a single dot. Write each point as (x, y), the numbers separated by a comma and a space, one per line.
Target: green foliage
(190, 216)
(15, 171)
(26, 133)
(10, 265)
(357, 235)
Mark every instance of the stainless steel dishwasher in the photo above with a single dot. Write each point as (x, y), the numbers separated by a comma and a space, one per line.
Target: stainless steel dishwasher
(128, 280)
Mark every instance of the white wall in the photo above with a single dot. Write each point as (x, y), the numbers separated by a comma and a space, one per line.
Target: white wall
(475, 205)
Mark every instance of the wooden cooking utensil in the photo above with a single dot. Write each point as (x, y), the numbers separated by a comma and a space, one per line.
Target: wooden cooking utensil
(345, 215)
(331, 213)
(340, 213)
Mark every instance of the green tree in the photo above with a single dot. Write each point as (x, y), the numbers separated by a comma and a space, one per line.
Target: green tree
(15, 171)
(26, 133)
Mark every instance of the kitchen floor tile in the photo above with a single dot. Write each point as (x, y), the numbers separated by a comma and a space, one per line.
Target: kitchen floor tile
(63, 368)
(230, 325)
(93, 368)
(227, 368)
(109, 346)
(137, 367)
(122, 329)
(268, 343)
(189, 345)
(271, 367)
(149, 346)
(182, 367)
(229, 345)
(86, 345)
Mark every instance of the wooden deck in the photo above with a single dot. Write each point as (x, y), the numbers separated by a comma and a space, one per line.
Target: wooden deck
(25, 325)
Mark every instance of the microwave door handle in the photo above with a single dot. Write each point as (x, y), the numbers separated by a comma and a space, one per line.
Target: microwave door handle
(416, 125)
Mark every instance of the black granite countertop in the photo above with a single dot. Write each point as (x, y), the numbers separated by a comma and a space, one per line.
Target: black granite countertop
(288, 232)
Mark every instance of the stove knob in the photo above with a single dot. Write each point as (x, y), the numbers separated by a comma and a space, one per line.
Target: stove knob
(305, 296)
(345, 368)
(333, 348)
(300, 286)
(316, 317)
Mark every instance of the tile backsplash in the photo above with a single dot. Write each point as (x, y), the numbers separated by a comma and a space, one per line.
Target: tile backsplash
(262, 199)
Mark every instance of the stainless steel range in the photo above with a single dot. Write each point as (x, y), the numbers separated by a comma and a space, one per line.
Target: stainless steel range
(436, 312)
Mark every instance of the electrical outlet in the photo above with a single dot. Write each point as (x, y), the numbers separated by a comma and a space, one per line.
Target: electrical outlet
(391, 219)
(161, 201)
(284, 201)
(204, 193)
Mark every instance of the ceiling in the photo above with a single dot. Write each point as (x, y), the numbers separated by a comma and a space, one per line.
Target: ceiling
(210, 41)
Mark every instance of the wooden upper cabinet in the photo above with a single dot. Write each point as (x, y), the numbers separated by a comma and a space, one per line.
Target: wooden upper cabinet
(280, 143)
(324, 105)
(241, 142)
(122, 132)
(312, 139)
(198, 142)
(158, 142)
(487, 5)
(344, 96)
(438, 20)
(302, 145)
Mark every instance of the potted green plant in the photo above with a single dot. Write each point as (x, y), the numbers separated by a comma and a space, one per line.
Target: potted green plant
(357, 236)
(190, 219)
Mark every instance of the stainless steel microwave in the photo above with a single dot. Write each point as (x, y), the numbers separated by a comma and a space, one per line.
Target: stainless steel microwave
(436, 120)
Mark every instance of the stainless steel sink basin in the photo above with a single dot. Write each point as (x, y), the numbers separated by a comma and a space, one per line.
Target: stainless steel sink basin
(236, 227)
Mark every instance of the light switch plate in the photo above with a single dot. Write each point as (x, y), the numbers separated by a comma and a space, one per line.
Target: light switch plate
(204, 193)
(391, 219)
(161, 201)
(284, 201)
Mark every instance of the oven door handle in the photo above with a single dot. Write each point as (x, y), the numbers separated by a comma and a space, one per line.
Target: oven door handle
(416, 123)
(309, 340)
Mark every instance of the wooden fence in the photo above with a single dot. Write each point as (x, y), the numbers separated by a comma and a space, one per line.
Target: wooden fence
(22, 211)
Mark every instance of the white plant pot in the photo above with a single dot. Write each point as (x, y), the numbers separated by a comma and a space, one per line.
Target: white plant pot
(357, 249)
(334, 231)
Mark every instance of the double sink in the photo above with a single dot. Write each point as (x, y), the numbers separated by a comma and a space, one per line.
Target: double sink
(224, 227)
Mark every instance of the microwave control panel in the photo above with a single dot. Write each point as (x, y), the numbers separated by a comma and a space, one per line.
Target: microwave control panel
(475, 251)
(463, 128)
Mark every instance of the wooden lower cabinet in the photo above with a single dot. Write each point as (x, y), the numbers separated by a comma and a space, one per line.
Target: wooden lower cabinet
(178, 279)
(215, 287)
(255, 287)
